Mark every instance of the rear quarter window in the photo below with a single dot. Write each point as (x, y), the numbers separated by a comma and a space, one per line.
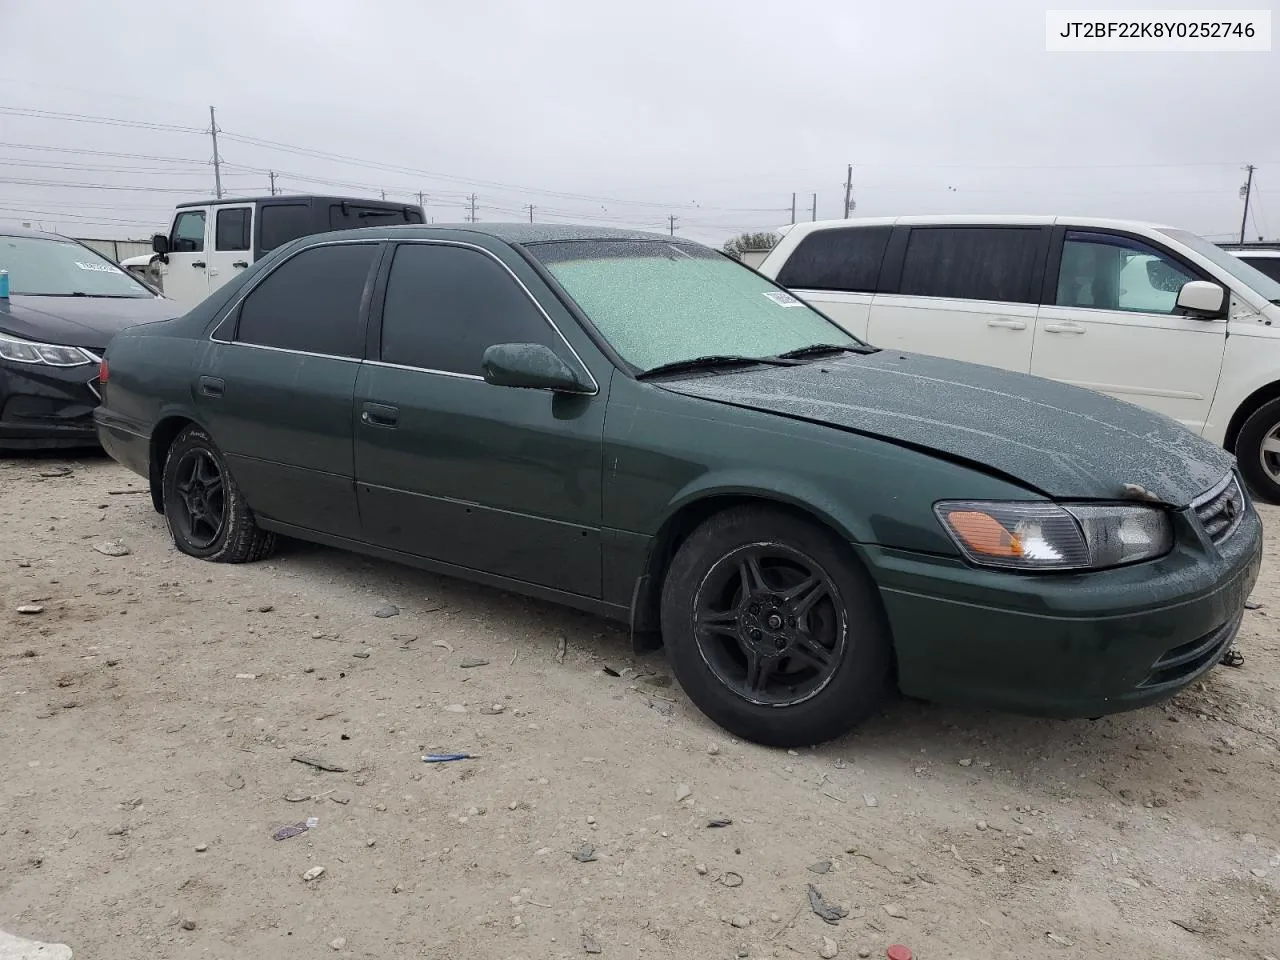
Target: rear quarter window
(846, 259)
(282, 222)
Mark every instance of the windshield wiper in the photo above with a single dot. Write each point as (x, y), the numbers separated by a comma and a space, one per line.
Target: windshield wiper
(816, 349)
(707, 362)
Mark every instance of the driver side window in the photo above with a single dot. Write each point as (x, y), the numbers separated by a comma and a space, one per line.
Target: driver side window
(188, 232)
(1103, 272)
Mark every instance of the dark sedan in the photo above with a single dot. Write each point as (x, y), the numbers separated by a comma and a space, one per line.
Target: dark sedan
(65, 302)
(641, 427)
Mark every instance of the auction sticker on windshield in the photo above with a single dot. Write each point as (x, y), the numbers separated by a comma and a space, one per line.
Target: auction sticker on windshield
(783, 299)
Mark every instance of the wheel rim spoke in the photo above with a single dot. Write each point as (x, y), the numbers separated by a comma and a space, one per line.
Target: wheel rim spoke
(1271, 444)
(752, 575)
(719, 623)
(805, 595)
(807, 648)
(759, 670)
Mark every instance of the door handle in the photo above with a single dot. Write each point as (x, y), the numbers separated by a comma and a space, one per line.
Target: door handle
(1008, 324)
(241, 264)
(1063, 328)
(212, 386)
(199, 263)
(380, 415)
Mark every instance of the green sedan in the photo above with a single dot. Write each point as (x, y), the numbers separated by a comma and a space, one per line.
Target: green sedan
(641, 427)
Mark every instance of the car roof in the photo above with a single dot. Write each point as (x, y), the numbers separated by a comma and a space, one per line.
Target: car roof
(35, 234)
(285, 198)
(976, 220)
(514, 233)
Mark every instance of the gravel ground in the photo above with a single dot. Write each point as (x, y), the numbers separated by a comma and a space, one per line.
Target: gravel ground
(152, 710)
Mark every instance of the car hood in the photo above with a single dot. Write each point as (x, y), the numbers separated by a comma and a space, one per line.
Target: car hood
(1064, 441)
(80, 321)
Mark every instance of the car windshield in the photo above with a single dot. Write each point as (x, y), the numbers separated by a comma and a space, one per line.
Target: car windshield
(1249, 276)
(659, 302)
(40, 267)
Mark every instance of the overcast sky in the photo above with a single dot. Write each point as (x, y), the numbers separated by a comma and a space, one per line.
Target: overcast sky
(714, 112)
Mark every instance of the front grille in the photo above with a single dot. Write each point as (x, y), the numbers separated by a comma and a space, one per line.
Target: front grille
(1221, 509)
(1188, 659)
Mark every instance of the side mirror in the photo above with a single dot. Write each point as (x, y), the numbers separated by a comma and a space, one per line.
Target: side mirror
(1202, 299)
(530, 365)
(160, 243)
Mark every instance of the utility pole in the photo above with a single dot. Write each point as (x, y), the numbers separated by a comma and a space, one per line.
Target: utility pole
(384, 194)
(1246, 191)
(422, 201)
(472, 200)
(529, 207)
(793, 206)
(272, 175)
(815, 207)
(217, 160)
(848, 192)
(671, 220)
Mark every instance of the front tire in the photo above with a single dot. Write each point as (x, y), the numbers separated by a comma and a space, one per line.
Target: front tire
(774, 629)
(205, 511)
(1258, 451)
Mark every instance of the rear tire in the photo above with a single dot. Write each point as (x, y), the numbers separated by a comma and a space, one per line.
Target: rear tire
(1260, 467)
(205, 511)
(774, 629)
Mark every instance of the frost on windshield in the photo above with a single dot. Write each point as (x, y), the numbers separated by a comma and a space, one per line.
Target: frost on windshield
(659, 302)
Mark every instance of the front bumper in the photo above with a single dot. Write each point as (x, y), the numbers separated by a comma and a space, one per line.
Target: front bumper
(1074, 645)
(45, 407)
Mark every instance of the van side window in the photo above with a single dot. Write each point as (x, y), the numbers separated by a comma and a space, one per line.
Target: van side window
(971, 263)
(1268, 265)
(1104, 272)
(311, 302)
(282, 222)
(231, 229)
(845, 259)
(347, 216)
(188, 232)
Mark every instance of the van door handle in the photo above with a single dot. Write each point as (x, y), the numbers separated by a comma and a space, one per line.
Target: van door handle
(1008, 324)
(212, 386)
(241, 264)
(380, 415)
(199, 263)
(1063, 328)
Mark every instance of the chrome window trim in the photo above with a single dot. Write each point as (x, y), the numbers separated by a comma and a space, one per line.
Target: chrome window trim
(222, 317)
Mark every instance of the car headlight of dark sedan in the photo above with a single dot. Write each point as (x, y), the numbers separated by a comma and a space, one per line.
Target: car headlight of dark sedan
(1049, 536)
(51, 354)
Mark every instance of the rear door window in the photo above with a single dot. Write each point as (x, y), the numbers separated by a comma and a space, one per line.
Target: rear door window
(311, 302)
(231, 229)
(282, 222)
(972, 263)
(846, 259)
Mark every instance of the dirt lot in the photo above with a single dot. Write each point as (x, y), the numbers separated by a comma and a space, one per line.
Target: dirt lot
(151, 710)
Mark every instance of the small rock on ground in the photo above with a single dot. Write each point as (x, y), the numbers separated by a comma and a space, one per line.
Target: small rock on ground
(30, 608)
(337, 943)
(829, 948)
(387, 610)
(113, 548)
(683, 792)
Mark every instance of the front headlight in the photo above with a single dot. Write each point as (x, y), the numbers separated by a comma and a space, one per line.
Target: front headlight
(1049, 536)
(29, 351)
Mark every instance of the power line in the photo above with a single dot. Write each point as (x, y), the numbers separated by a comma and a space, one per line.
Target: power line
(101, 153)
(88, 118)
(98, 168)
(99, 186)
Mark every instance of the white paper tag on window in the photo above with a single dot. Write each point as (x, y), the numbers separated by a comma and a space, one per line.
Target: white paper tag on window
(783, 299)
(96, 267)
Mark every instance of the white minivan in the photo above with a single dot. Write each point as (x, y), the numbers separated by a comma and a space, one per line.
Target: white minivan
(1150, 314)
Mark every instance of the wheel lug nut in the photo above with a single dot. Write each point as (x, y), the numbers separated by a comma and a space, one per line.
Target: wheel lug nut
(791, 622)
(755, 634)
(755, 608)
(780, 643)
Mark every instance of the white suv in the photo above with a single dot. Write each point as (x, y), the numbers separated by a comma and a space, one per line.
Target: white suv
(1150, 314)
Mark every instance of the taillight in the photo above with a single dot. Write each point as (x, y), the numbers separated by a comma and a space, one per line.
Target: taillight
(102, 371)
